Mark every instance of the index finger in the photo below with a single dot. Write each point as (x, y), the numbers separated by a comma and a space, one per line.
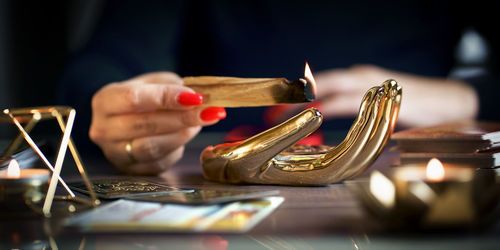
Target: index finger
(159, 77)
(335, 82)
(137, 96)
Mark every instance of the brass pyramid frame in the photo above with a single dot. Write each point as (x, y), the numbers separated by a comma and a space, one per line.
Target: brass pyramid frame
(31, 116)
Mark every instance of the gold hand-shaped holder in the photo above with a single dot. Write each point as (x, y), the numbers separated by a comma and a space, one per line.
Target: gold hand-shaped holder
(31, 116)
(271, 158)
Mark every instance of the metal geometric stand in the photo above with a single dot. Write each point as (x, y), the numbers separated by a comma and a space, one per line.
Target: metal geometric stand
(30, 117)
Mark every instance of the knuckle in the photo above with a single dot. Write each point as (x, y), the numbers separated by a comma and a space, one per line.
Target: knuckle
(130, 97)
(172, 158)
(168, 74)
(96, 134)
(177, 155)
(145, 124)
(100, 98)
(151, 150)
(361, 67)
(190, 132)
(109, 155)
(170, 77)
(366, 69)
(189, 118)
(163, 97)
(97, 100)
(186, 133)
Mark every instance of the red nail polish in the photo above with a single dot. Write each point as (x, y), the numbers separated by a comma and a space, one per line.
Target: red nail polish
(190, 99)
(213, 113)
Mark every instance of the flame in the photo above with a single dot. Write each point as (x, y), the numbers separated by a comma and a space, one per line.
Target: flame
(310, 78)
(382, 189)
(435, 170)
(13, 170)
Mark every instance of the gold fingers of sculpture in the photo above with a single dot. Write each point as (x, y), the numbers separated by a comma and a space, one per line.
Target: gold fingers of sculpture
(271, 158)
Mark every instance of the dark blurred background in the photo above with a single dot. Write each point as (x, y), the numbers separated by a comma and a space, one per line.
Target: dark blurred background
(37, 37)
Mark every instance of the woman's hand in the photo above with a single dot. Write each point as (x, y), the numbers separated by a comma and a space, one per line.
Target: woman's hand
(143, 123)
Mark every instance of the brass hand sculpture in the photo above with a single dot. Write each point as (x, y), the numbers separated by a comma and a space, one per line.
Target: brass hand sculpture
(270, 158)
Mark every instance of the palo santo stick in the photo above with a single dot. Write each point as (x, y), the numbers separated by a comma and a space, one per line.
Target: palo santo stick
(250, 92)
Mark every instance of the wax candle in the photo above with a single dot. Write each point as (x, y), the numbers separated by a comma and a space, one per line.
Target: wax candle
(434, 171)
(442, 195)
(21, 189)
(430, 195)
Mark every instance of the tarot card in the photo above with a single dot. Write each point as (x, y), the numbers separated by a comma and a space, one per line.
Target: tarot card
(206, 196)
(121, 187)
(244, 215)
(139, 216)
(126, 215)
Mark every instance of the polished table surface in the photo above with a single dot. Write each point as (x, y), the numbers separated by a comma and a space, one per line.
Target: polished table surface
(328, 217)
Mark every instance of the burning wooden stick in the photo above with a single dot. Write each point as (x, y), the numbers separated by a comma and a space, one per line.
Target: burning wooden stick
(251, 92)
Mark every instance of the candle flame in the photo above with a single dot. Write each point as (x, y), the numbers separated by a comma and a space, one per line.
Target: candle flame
(13, 170)
(382, 189)
(310, 78)
(435, 170)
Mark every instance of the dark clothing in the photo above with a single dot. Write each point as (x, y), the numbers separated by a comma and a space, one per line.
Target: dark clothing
(273, 39)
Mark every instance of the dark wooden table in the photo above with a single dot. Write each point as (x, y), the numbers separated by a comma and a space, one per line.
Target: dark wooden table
(327, 217)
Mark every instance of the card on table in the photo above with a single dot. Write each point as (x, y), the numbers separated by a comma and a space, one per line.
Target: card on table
(206, 196)
(122, 187)
(140, 216)
(453, 137)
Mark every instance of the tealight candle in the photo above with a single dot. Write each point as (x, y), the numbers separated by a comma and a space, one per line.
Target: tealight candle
(430, 196)
(434, 171)
(21, 188)
(442, 195)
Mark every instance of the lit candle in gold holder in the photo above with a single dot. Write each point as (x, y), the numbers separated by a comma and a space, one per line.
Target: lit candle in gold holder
(22, 189)
(65, 117)
(431, 195)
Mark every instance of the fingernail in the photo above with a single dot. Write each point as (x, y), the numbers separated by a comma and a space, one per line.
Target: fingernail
(190, 99)
(213, 113)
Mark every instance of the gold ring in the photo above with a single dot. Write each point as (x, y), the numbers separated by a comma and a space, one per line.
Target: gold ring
(128, 148)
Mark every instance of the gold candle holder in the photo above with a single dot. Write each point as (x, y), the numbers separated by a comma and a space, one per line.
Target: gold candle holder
(21, 189)
(420, 197)
(30, 117)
